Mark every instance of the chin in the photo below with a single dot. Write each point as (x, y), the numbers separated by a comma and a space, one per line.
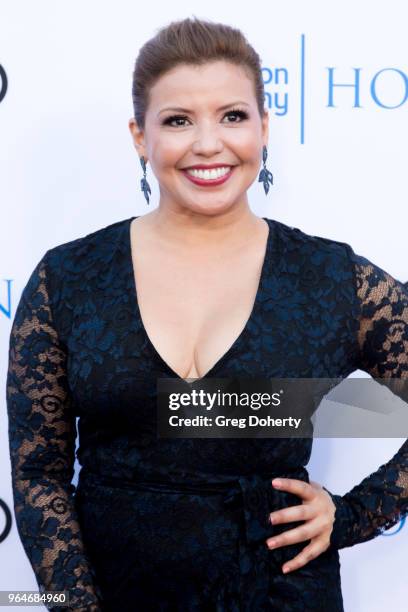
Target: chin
(211, 208)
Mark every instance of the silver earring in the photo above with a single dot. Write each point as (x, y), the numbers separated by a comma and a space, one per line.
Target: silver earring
(265, 176)
(145, 187)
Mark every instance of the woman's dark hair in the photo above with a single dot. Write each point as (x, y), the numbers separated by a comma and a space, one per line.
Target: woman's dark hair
(191, 41)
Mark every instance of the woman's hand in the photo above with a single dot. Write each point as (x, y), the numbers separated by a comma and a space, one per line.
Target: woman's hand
(317, 510)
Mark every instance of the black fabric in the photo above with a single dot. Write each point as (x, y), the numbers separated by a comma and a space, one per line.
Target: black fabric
(174, 525)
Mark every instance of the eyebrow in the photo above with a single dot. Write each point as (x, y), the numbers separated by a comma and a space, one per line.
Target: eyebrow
(179, 109)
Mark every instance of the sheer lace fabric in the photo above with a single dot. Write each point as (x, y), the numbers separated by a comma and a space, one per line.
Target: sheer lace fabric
(42, 449)
(381, 499)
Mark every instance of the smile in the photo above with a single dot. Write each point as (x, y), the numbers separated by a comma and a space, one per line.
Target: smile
(215, 176)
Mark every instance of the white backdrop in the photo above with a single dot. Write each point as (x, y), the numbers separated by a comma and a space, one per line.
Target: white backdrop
(336, 76)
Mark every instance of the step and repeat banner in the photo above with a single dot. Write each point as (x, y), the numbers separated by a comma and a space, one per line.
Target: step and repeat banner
(336, 87)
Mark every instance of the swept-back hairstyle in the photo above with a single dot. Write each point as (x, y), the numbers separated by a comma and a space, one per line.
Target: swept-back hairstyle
(192, 41)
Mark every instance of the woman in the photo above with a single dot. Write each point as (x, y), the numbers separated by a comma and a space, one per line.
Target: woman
(198, 287)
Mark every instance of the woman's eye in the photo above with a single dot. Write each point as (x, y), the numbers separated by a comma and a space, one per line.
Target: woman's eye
(170, 120)
(241, 114)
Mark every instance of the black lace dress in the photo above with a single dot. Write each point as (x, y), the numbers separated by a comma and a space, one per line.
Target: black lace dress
(177, 525)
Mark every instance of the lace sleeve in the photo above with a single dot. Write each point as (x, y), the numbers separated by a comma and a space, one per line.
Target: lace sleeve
(42, 434)
(381, 499)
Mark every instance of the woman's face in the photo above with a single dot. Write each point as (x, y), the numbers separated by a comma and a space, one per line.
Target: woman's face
(200, 116)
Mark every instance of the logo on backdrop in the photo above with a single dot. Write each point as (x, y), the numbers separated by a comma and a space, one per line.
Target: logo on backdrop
(6, 511)
(6, 309)
(3, 83)
(399, 526)
(382, 84)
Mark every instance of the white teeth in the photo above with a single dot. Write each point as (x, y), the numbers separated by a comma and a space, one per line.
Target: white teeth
(212, 174)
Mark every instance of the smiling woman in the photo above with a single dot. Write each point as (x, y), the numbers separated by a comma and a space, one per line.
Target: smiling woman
(210, 144)
(199, 287)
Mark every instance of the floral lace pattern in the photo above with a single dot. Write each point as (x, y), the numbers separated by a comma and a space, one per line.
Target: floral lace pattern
(42, 444)
(180, 524)
(381, 499)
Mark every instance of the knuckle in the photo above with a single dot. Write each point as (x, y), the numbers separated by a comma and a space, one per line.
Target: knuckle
(306, 556)
(296, 564)
(308, 488)
(304, 512)
(296, 561)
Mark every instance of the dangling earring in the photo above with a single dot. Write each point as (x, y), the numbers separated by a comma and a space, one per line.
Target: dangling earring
(265, 175)
(145, 187)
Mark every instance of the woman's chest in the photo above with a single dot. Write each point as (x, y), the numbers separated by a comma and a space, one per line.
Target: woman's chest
(123, 330)
(193, 310)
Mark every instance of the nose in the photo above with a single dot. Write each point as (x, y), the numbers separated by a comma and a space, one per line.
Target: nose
(207, 142)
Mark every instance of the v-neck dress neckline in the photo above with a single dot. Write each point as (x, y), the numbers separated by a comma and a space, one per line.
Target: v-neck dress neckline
(240, 340)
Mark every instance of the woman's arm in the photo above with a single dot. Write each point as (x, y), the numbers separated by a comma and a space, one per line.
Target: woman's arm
(42, 450)
(381, 499)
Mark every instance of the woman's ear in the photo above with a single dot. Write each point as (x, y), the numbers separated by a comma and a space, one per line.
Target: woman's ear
(138, 137)
(265, 127)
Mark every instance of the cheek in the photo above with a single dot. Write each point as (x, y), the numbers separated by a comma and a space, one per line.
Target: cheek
(166, 152)
(245, 147)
